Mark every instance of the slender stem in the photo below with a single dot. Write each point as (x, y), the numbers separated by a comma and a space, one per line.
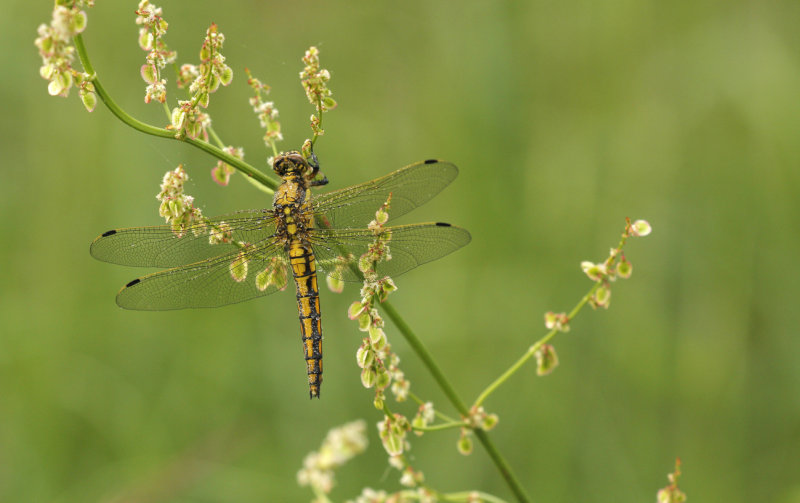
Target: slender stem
(533, 349)
(443, 426)
(426, 357)
(436, 412)
(469, 496)
(164, 133)
(419, 348)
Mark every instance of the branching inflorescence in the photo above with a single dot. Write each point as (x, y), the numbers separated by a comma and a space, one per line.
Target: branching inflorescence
(189, 121)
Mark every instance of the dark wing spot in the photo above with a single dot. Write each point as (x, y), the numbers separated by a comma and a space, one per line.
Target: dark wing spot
(431, 161)
(109, 233)
(442, 224)
(132, 283)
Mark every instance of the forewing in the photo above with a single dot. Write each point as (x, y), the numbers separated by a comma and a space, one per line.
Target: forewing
(226, 279)
(409, 245)
(410, 187)
(160, 246)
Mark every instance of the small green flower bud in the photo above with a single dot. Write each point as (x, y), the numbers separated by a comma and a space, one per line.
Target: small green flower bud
(364, 322)
(178, 118)
(262, 280)
(383, 379)
(546, 360)
(47, 71)
(410, 478)
(641, 228)
(335, 283)
(559, 321)
(391, 436)
(89, 100)
(602, 297)
(204, 100)
(368, 377)
(417, 423)
(464, 444)
(78, 22)
(146, 39)
(306, 149)
(364, 356)
(393, 444)
(381, 216)
(595, 272)
(376, 335)
(226, 76)
(238, 267)
(356, 309)
(624, 268)
(149, 73)
(378, 401)
(365, 263)
(490, 421)
(60, 84)
(329, 103)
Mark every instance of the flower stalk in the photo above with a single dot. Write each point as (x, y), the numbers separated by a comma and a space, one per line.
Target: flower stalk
(142, 127)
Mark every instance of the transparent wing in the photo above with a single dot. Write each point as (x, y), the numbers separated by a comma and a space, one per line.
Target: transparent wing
(159, 246)
(410, 187)
(410, 246)
(208, 283)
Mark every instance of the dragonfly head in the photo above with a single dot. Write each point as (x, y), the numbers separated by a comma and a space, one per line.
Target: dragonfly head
(290, 163)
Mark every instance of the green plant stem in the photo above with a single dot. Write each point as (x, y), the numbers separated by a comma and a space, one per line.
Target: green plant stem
(443, 426)
(469, 496)
(533, 349)
(138, 125)
(426, 357)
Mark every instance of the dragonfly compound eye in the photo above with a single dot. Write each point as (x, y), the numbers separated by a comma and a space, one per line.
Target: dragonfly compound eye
(290, 162)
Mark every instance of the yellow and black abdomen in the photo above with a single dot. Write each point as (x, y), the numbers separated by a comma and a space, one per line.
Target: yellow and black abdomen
(305, 277)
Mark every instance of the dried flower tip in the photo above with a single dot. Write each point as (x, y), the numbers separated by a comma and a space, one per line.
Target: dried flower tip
(671, 493)
(265, 110)
(154, 27)
(315, 82)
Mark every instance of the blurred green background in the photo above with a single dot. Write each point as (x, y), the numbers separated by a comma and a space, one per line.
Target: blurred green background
(564, 118)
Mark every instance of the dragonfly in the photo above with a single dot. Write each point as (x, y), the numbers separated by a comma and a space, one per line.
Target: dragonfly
(243, 255)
